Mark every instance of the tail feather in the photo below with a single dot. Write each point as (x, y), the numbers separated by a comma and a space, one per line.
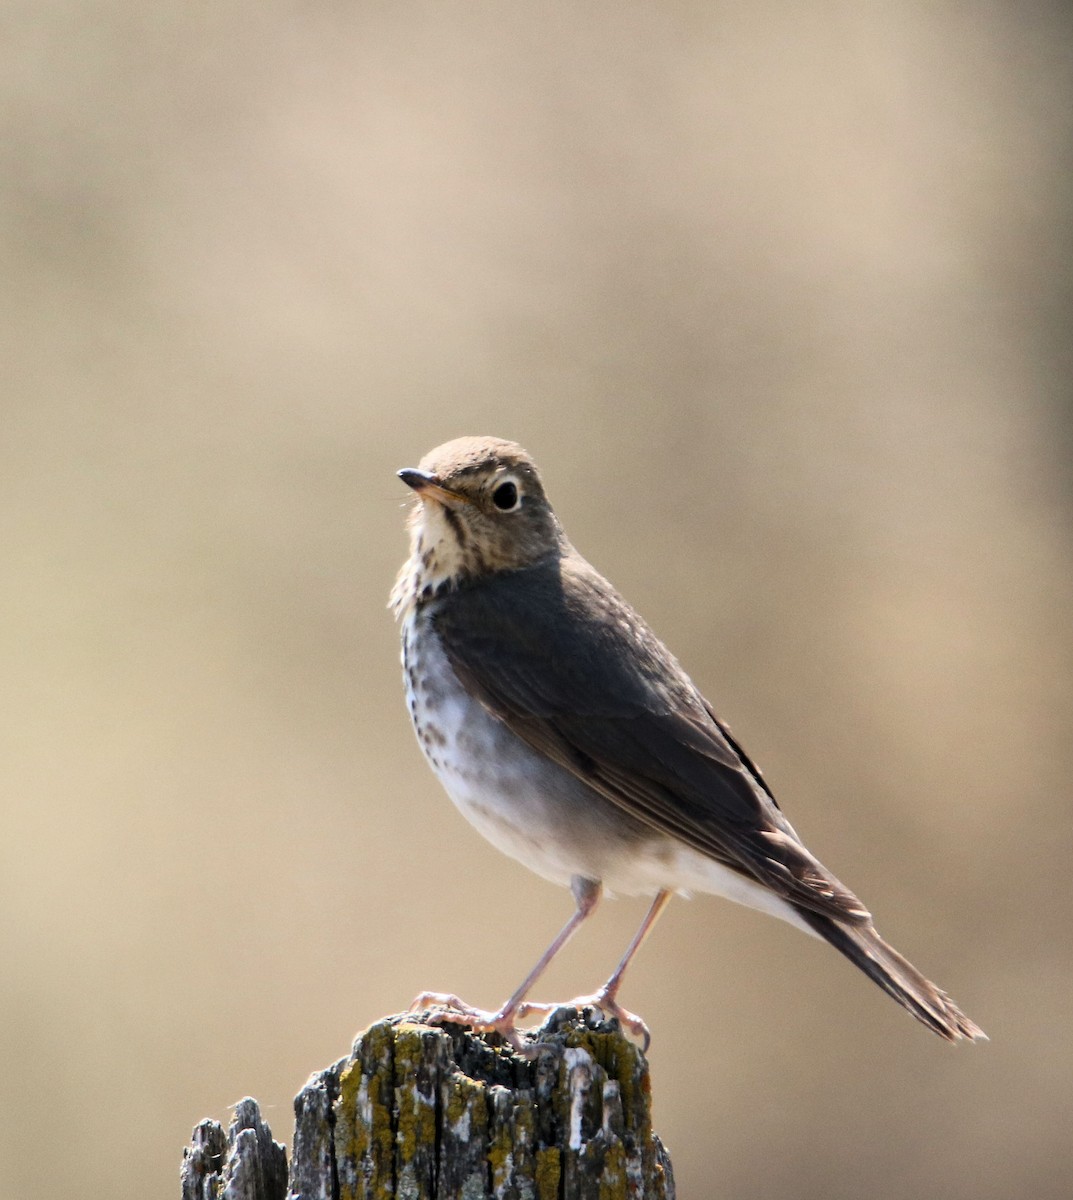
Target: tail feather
(863, 946)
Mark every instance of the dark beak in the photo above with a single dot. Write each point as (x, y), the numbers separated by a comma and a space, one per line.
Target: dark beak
(428, 487)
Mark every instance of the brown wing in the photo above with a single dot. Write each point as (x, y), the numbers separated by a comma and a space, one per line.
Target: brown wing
(557, 655)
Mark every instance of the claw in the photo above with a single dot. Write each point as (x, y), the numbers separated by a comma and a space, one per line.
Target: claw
(438, 1000)
(449, 1009)
(530, 1007)
(630, 1022)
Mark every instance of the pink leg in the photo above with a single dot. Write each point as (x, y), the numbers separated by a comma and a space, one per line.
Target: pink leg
(586, 897)
(606, 998)
(610, 989)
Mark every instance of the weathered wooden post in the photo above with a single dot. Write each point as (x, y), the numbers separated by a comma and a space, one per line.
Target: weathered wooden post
(425, 1112)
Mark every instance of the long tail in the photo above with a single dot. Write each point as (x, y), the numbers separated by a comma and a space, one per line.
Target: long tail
(896, 976)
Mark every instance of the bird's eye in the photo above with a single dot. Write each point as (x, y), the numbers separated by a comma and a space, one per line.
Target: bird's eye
(506, 497)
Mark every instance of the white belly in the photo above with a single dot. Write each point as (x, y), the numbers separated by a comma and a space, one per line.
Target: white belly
(533, 810)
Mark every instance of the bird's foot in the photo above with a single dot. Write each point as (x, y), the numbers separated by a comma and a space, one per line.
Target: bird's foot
(445, 1008)
(631, 1023)
(448, 1009)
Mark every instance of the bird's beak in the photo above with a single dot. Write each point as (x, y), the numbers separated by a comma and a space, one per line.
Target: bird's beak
(428, 487)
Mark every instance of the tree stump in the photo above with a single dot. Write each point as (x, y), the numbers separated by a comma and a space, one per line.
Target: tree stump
(431, 1112)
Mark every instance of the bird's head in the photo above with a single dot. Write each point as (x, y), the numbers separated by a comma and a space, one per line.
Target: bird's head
(481, 509)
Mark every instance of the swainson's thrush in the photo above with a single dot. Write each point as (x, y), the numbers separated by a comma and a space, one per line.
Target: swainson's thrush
(571, 738)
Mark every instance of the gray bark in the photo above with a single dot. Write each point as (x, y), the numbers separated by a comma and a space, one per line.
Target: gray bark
(429, 1112)
(245, 1165)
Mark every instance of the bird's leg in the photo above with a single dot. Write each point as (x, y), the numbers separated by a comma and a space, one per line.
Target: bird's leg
(586, 897)
(610, 988)
(606, 998)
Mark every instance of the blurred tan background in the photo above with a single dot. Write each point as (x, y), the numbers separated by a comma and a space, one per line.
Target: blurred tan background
(778, 296)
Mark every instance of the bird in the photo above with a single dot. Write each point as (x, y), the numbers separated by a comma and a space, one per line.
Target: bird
(573, 740)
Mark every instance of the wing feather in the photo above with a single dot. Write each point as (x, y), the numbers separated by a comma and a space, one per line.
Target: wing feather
(557, 655)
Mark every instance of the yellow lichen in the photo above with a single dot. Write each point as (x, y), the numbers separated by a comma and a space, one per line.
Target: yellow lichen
(548, 1172)
(613, 1175)
(363, 1133)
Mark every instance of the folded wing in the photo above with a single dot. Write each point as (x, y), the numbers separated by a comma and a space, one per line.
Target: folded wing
(556, 654)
